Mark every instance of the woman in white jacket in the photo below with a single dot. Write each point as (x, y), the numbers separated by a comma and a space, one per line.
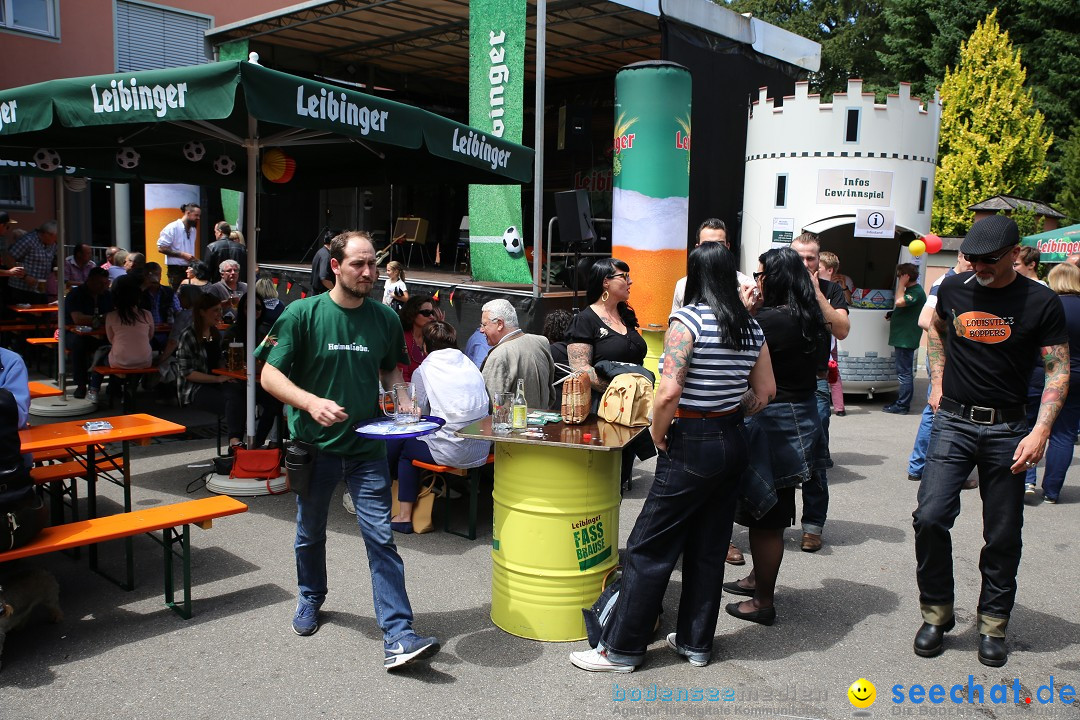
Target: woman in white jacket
(449, 386)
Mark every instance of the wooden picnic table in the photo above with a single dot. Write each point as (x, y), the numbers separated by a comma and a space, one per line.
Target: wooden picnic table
(41, 390)
(73, 435)
(33, 309)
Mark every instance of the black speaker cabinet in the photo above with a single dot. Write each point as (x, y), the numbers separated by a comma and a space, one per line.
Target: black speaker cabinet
(575, 218)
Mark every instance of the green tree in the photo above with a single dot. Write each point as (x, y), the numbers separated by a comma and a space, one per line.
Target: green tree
(1068, 197)
(992, 138)
(850, 32)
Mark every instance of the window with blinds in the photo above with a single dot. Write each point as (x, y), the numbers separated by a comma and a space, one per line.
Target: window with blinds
(149, 37)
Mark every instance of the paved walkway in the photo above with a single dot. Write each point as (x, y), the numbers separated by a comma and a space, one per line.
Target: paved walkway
(845, 613)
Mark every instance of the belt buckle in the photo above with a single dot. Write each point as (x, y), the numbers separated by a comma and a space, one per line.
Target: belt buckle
(989, 413)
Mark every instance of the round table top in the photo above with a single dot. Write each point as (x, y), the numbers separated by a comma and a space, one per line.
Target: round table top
(387, 429)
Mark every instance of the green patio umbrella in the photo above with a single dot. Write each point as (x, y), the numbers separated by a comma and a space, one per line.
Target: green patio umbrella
(1055, 246)
(206, 125)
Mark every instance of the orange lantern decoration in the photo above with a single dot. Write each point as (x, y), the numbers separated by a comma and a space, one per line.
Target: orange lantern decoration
(277, 167)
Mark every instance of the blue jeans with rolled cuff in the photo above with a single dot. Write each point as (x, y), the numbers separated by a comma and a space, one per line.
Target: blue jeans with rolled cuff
(368, 482)
(815, 493)
(688, 512)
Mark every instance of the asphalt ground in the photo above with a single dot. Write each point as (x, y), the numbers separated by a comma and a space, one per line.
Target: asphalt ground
(847, 612)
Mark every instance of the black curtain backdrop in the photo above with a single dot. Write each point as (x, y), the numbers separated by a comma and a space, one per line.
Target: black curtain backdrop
(726, 77)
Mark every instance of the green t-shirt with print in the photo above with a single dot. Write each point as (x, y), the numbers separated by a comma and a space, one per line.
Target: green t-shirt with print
(904, 330)
(336, 353)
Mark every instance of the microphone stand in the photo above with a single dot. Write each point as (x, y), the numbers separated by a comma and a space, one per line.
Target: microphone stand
(320, 238)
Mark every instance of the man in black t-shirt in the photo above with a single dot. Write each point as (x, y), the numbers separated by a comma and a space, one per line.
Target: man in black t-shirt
(833, 304)
(322, 279)
(989, 328)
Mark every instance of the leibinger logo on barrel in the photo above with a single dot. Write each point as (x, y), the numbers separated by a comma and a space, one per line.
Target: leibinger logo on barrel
(983, 327)
(590, 542)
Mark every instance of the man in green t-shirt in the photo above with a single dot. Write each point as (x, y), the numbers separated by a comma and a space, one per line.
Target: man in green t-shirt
(905, 333)
(325, 357)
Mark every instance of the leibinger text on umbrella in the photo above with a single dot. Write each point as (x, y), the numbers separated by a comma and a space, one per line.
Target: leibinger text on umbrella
(121, 97)
(477, 146)
(325, 106)
(7, 112)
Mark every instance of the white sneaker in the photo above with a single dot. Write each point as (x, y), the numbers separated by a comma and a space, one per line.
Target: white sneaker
(696, 659)
(92, 396)
(346, 501)
(597, 661)
(1029, 489)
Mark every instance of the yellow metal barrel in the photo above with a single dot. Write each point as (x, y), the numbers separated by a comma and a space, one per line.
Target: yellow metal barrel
(556, 535)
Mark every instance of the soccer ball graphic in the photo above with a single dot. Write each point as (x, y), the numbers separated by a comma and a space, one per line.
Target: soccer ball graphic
(127, 158)
(194, 150)
(47, 159)
(512, 240)
(224, 165)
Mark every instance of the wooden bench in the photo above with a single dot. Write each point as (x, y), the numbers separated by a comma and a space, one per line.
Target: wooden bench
(57, 477)
(472, 481)
(128, 401)
(166, 518)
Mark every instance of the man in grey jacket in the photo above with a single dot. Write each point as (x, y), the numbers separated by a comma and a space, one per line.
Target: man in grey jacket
(515, 355)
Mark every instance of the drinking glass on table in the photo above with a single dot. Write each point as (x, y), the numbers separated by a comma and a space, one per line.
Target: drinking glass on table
(406, 410)
(501, 408)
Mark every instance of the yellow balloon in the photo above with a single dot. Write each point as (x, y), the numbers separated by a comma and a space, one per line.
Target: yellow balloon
(917, 247)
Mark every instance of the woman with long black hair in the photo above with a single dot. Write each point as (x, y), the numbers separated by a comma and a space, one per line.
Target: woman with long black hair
(716, 370)
(606, 330)
(784, 436)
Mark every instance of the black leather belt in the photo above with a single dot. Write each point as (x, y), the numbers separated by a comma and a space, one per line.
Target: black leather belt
(983, 415)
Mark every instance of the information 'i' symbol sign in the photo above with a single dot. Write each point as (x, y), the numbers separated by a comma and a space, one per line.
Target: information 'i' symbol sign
(875, 220)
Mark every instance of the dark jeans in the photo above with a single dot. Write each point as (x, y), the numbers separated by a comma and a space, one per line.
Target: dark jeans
(905, 364)
(399, 457)
(815, 494)
(957, 446)
(82, 348)
(688, 512)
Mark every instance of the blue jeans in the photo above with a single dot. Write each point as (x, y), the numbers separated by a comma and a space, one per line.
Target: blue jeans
(688, 512)
(905, 364)
(369, 484)
(399, 457)
(1059, 452)
(815, 494)
(917, 461)
(957, 446)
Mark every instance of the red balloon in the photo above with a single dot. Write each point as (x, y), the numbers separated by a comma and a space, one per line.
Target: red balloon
(933, 243)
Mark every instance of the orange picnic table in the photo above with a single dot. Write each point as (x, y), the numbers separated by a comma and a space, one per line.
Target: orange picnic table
(41, 390)
(97, 460)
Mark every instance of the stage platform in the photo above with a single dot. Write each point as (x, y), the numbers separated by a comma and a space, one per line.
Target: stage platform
(460, 297)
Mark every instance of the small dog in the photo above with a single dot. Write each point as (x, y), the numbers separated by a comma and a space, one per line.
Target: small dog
(21, 594)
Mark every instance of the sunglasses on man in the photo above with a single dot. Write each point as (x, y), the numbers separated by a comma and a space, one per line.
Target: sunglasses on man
(988, 259)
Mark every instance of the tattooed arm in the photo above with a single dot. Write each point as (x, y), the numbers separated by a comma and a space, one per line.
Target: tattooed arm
(580, 356)
(762, 384)
(678, 347)
(1056, 387)
(935, 358)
